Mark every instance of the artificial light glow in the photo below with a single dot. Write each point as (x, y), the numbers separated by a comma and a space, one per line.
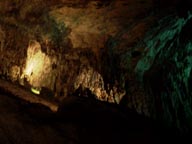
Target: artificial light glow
(35, 91)
(35, 59)
(35, 64)
(38, 65)
(29, 68)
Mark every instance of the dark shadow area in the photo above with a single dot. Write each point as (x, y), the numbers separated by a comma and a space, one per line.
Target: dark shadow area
(78, 120)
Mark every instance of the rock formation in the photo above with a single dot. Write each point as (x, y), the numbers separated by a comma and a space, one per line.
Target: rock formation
(132, 53)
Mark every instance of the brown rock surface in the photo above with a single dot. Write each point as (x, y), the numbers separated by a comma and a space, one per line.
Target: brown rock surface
(104, 37)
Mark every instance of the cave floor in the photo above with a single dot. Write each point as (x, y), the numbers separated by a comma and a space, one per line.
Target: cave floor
(25, 94)
(78, 120)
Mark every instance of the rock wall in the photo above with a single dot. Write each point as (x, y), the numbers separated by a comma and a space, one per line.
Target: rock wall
(71, 44)
(165, 71)
(134, 53)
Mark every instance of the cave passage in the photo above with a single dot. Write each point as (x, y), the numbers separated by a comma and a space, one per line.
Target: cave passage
(93, 71)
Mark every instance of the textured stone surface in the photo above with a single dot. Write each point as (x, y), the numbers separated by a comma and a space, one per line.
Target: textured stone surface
(63, 41)
(94, 45)
(166, 71)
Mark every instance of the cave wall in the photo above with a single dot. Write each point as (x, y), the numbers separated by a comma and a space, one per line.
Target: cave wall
(116, 49)
(59, 46)
(165, 71)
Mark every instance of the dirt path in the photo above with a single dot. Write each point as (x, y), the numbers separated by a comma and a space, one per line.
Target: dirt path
(26, 95)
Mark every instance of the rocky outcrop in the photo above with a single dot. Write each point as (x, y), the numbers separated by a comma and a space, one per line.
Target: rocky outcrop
(69, 44)
(166, 71)
(58, 47)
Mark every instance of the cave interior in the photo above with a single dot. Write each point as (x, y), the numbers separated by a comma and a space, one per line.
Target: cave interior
(95, 71)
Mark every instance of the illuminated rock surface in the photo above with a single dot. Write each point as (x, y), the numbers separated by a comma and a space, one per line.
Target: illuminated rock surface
(132, 53)
(166, 70)
(50, 48)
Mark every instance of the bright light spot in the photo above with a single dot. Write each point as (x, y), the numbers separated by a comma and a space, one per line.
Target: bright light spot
(35, 64)
(38, 65)
(35, 91)
(29, 68)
